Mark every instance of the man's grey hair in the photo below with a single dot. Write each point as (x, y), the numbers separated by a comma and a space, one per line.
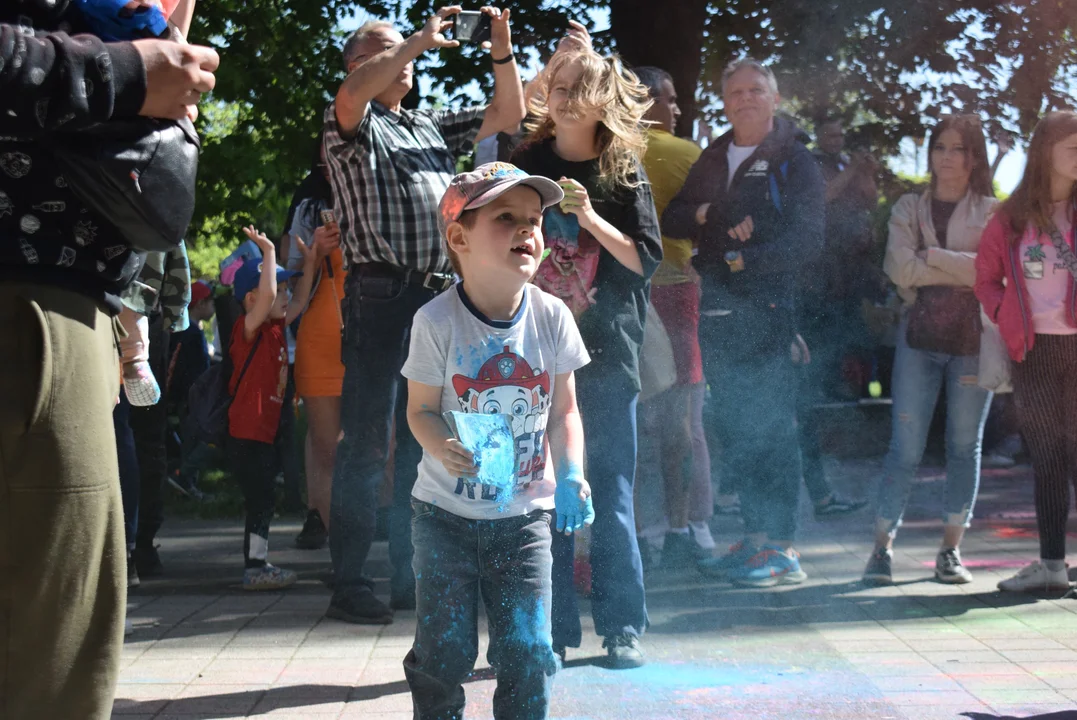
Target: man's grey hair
(351, 46)
(652, 77)
(753, 64)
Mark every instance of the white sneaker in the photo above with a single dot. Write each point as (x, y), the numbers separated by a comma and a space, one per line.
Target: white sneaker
(268, 577)
(1035, 577)
(701, 533)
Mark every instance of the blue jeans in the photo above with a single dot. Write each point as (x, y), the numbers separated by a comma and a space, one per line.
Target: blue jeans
(618, 603)
(506, 562)
(378, 312)
(130, 479)
(752, 414)
(917, 379)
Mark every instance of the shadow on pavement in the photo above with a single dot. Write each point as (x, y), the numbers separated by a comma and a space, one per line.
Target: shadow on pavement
(723, 607)
(1063, 715)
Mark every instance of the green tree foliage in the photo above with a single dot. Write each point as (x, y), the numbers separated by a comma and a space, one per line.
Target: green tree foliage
(881, 65)
(279, 65)
(885, 64)
(888, 63)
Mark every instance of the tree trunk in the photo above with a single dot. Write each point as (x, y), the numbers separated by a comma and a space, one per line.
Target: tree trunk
(667, 35)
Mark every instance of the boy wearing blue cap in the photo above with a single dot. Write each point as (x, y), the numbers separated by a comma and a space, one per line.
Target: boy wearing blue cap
(493, 344)
(259, 356)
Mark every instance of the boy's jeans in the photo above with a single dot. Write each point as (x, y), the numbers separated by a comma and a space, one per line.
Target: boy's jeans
(508, 563)
(918, 377)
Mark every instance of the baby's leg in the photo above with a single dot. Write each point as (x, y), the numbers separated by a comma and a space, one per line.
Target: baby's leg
(447, 604)
(517, 590)
(136, 346)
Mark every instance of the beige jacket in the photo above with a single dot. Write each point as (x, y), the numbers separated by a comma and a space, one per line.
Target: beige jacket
(910, 220)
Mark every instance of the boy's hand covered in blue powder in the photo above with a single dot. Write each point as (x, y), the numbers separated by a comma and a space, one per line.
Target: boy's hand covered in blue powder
(572, 499)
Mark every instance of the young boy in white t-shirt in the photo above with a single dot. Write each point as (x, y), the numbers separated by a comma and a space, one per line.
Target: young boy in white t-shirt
(493, 343)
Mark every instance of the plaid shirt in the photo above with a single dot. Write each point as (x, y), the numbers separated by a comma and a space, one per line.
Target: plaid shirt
(388, 180)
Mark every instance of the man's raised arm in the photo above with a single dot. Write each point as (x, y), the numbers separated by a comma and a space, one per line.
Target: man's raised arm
(506, 109)
(375, 75)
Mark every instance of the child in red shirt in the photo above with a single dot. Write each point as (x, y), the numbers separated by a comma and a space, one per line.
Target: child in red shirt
(259, 357)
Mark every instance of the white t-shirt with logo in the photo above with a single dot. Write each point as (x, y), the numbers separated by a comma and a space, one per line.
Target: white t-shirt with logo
(488, 366)
(737, 155)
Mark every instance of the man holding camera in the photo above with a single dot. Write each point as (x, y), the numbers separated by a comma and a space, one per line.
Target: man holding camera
(389, 168)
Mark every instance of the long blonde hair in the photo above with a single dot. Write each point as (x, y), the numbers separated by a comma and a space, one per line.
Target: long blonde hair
(610, 91)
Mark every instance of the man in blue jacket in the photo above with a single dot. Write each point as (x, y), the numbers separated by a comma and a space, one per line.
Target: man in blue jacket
(755, 201)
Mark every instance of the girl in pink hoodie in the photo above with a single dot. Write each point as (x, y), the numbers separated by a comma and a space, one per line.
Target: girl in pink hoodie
(1025, 282)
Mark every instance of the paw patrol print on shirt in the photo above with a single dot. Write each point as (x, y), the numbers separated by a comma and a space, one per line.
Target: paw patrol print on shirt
(507, 384)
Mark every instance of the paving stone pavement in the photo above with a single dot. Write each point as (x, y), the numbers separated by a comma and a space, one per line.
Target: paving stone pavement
(829, 648)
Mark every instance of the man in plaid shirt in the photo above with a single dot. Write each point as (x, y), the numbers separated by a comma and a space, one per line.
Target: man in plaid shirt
(389, 168)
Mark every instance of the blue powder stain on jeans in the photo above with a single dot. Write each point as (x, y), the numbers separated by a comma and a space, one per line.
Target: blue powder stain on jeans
(531, 627)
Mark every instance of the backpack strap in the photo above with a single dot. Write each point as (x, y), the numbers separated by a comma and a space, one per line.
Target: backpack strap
(775, 189)
(247, 364)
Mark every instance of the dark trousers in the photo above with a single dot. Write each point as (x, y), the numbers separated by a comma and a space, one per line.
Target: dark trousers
(150, 428)
(378, 316)
(1045, 392)
(63, 582)
(127, 456)
(811, 451)
(618, 603)
(746, 359)
(288, 447)
(506, 563)
(254, 465)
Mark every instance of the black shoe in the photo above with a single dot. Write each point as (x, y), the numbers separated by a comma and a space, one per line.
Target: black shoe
(313, 536)
(681, 551)
(402, 600)
(624, 651)
(949, 569)
(878, 571)
(838, 506)
(647, 555)
(360, 608)
(147, 561)
(560, 651)
(731, 509)
(132, 572)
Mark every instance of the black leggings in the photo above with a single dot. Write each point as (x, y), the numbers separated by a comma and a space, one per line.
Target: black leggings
(1045, 392)
(254, 465)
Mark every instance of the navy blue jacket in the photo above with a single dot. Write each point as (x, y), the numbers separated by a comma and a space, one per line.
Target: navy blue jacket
(782, 188)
